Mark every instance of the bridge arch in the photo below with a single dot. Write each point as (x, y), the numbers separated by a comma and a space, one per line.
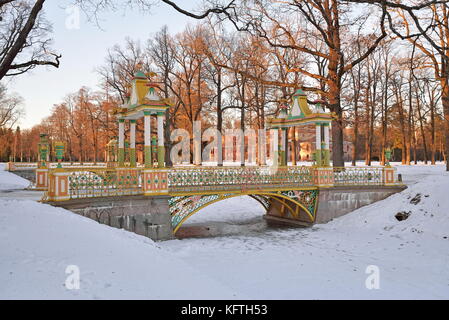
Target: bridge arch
(183, 207)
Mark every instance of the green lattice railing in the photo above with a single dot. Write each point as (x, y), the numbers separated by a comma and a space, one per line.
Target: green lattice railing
(95, 182)
(103, 183)
(358, 176)
(187, 179)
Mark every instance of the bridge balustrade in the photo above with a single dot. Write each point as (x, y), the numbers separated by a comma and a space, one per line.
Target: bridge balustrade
(188, 180)
(363, 176)
(75, 183)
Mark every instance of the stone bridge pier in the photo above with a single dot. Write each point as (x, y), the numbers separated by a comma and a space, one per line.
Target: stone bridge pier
(148, 216)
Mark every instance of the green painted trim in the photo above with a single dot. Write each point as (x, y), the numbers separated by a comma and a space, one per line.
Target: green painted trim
(121, 157)
(121, 120)
(147, 155)
(325, 157)
(159, 113)
(160, 156)
(133, 121)
(147, 113)
(132, 157)
(318, 157)
(323, 123)
(282, 154)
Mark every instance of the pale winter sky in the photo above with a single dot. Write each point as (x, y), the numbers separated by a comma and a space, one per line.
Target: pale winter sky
(84, 49)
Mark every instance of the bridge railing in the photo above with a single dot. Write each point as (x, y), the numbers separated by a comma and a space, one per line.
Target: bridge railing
(94, 182)
(76, 183)
(13, 166)
(199, 179)
(359, 176)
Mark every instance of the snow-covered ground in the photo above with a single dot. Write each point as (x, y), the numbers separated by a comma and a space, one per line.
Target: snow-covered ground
(10, 181)
(38, 242)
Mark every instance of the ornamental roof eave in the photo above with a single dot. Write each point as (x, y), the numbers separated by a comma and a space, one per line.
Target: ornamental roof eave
(294, 121)
(140, 110)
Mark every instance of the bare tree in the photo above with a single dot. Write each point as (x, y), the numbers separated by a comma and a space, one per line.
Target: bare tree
(10, 109)
(24, 37)
(325, 21)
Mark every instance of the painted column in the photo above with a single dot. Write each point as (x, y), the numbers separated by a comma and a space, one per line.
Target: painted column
(262, 147)
(242, 149)
(318, 144)
(160, 140)
(275, 146)
(326, 145)
(59, 187)
(197, 143)
(219, 148)
(293, 145)
(41, 178)
(132, 147)
(121, 142)
(283, 154)
(389, 176)
(147, 139)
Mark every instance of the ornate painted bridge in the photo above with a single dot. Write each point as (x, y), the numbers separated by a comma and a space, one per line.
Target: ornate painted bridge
(292, 194)
(287, 193)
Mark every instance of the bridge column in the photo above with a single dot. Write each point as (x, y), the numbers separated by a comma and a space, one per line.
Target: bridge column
(160, 140)
(219, 138)
(284, 147)
(147, 139)
(58, 189)
(293, 145)
(326, 146)
(389, 176)
(318, 144)
(121, 142)
(275, 146)
(323, 176)
(262, 147)
(41, 178)
(155, 181)
(132, 150)
(197, 143)
(242, 149)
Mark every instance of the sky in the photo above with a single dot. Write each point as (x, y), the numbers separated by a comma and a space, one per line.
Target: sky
(83, 49)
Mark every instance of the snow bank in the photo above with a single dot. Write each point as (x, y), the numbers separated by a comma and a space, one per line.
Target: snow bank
(332, 261)
(38, 242)
(11, 181)
(426, 202)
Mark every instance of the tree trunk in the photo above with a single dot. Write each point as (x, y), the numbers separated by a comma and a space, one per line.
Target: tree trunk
(402, 125)
(337, 124)
(168, 127)
(242, 127)
(355, 140)
(418, 106)
(432, 124)
(445, 100)
(410, 131)
(21, 39)
(219, 120)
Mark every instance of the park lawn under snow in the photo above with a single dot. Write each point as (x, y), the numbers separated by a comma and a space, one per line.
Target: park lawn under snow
(38, 242)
